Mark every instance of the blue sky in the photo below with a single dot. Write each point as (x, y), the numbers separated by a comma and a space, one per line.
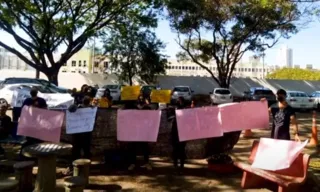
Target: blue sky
(305, 44)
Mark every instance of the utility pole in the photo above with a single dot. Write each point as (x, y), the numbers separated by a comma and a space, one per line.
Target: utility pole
(93, 53)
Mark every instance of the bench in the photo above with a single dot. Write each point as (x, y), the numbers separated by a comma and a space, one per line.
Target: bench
(286, 180)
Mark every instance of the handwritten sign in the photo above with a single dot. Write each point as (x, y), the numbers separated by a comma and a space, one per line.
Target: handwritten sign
(80, 121)
(160, 96)
(54, 100)
(41, 124)
(129, 93)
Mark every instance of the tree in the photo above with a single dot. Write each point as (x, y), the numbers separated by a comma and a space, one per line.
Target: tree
(135, 52)
(222, 31)
(295, 74)
(48, 24)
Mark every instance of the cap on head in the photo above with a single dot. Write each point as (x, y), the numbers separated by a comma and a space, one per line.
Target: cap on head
(281, 92)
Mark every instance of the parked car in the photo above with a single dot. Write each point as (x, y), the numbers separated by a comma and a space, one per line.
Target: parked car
(7, 91)
(115, 91)
(299, 100)
(257, 93)
(181, 91)
(316, 99)
(220, 96)
(23, 80)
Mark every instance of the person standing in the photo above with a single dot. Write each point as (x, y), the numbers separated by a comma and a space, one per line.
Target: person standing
(5, 125)
(283, 114)
(178, 148)
(106, 100)
(142, 104)
(38, 102)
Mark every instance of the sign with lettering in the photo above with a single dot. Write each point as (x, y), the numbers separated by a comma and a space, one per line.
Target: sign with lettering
(54, 100)
(80, 121)
(160, 96)
(130, 93)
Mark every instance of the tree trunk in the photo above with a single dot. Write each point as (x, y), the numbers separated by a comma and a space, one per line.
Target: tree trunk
(130, 81)
(53, 76)
(37, 74)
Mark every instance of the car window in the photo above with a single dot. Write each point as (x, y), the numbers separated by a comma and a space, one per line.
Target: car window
(222, 91)
(303, 95)
(20, 80)
(111, 86)
(293, 94)
(263, 92)
(318, 95)
(313, 94)
(181, 89)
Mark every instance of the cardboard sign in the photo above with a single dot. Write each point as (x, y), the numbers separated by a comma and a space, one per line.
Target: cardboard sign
(80, 121)
(130, 93)
(160, 96)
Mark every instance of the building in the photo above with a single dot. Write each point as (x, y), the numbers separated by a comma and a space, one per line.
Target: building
(297, 66)
(285, 57)
(253, 68)
(309, 66)
(11, 61)
(80, 62)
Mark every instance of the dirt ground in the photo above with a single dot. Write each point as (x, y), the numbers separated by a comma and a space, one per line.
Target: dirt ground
(196, 177)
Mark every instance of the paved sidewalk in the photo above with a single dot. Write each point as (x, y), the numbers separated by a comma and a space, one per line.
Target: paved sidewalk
(242, 149)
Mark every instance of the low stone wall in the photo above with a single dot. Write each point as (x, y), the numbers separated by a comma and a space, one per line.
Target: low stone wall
(104, 137)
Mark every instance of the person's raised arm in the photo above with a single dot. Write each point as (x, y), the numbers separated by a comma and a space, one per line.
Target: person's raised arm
(294, 122)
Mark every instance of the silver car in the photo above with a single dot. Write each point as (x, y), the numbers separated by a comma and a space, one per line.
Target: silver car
(115, 91)
(181, 91)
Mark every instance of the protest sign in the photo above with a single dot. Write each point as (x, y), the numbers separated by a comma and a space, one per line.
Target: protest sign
(160, 96)
(244, 116)
(40, 124)
(130, 93)
(138, 125)
(276, 154)
(198, 123)
(80, 121)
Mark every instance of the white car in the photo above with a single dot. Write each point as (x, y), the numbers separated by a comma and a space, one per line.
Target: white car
(221, 96)
(115, 91)
(181, 91)
(316, 99)
(299, 100)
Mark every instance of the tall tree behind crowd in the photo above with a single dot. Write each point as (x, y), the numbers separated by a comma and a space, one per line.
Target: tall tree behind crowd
(221, 31)
(47, 24)
(135, 51)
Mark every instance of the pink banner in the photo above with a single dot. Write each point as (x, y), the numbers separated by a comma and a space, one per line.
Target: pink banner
(273, 154)
(138, 125)
(41, 124)
(198, 123)
(244, 115)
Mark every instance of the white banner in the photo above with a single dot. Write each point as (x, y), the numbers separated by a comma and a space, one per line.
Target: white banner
(54, 100)
(80, 121)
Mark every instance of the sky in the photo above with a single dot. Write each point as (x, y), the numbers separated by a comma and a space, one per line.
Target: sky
(305, 44)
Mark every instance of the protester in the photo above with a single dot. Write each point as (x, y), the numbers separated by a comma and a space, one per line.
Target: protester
(5, 125)
(38, 102)
(177, 146)
(78, 97)
(80, 141)
(283, 114)
(106, 100)
(142, 104)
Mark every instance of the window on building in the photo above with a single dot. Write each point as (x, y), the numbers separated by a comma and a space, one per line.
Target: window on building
(84, 63)
(179, 67)
(214, 68)
(96, 64)
(73, 63)
(79, 71)
(105, 64)
(235, 69)
(193, 68)
(65, 64)
(83, 72)
(189, 68)
(182, 67)
(249, 69)
(245, 69)
(72, 71)
(80, 63)
(260, 70)
(264, 70)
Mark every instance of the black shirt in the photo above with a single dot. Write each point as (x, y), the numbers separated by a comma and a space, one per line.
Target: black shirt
(281, 122)
(5, 126)
(38, 102)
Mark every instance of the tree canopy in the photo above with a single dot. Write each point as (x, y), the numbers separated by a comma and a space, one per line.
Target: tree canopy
(135, 51)
(48, 24)
(221, 31)
(295, 74)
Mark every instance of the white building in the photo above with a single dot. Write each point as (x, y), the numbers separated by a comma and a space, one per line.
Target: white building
(253, 68)
(285, 57)
(11, 61)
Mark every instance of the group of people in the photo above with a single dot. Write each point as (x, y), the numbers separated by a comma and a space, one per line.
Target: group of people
(282, 113)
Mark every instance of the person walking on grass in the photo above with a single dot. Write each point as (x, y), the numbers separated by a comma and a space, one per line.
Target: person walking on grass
(282, 115)
(142, 104)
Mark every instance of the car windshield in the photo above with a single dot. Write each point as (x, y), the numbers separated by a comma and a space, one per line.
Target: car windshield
(263, 92)
(222, 91)
(111, 86)
(20, 80)
(181, 89)
(41, 89)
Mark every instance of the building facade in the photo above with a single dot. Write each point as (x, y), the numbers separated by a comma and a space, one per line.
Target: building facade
(81, 62)
(253, 68)
(285, 57)
(11, 61)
